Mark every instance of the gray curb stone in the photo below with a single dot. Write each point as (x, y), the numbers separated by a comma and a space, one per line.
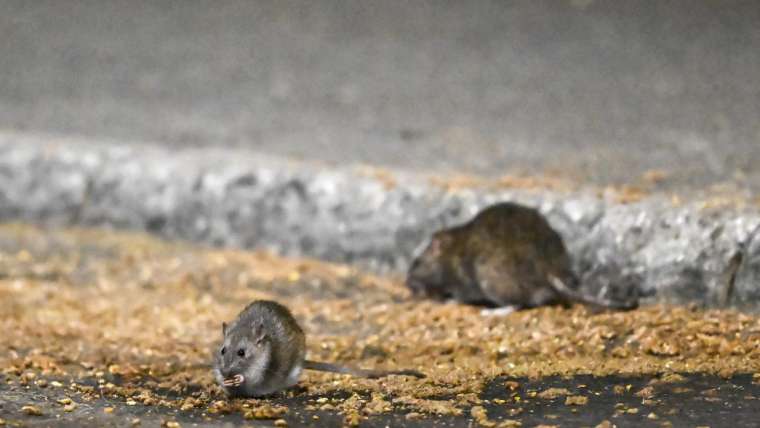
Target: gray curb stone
(234, 198)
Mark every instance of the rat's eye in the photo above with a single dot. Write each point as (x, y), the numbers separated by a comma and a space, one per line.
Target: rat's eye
(224, 350)
(241, 352)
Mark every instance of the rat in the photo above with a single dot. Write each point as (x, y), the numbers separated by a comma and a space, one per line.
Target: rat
(264, 351)
(507, 256)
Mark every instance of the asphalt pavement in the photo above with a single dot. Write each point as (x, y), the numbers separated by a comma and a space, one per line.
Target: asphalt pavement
(592, 90)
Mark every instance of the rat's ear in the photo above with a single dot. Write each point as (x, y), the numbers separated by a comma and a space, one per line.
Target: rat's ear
(259, 334)
(261, 339)
(437, 243)
(224, 328)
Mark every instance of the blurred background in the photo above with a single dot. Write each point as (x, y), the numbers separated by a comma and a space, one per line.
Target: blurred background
(590, 90)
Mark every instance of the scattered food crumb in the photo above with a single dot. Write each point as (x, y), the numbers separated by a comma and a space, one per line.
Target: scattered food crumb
(481, 417)
(645, 392)
(102, 287)
(553, 393)
(413, 415)
(31, 410)
(672, 378)
(576, 400)
(512, 385)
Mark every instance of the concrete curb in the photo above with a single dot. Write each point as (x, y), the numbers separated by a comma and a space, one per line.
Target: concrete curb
(235, 198)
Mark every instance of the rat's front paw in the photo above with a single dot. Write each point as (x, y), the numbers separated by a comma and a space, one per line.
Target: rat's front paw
(234, 381)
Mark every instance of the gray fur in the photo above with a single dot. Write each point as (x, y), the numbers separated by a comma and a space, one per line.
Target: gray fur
(274, 348)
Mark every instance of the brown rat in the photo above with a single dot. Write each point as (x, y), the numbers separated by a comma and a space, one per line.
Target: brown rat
(506, 256)
(264, 352)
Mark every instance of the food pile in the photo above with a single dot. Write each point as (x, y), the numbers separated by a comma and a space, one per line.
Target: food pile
(91, 315)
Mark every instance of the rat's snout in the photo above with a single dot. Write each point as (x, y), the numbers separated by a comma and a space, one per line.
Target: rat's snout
(416, 286)
(226, 372)
(412, 284)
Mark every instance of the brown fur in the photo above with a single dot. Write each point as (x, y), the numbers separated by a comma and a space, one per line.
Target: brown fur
(508, 255)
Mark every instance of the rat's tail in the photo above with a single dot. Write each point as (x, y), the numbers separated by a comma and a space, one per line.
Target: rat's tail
(370, 374)
(575, 296)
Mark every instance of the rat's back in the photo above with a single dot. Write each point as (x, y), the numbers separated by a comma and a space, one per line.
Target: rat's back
(507, 228)
(272, 315)
(514, 250)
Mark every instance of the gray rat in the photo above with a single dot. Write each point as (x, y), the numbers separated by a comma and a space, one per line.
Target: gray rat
(264, 352)
(507, 256)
